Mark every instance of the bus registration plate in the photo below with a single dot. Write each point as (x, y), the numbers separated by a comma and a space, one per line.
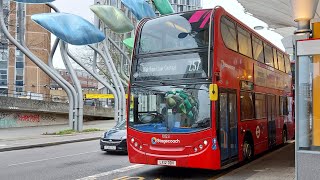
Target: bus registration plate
(167, 162)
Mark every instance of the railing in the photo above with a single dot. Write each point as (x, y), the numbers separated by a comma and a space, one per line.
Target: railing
(52, 98)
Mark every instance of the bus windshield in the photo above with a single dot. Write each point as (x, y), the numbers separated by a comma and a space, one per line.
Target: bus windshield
(175, 32)
(170, 108)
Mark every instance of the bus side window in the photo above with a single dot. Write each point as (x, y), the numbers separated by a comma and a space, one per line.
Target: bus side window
(288, 65)
(281, 62)
(244, 40)
(228, 32)
(246, 105)
(260, 103)
(275, 58)
(268, 55)
(285, 106)
(257, 49)
(277, 105)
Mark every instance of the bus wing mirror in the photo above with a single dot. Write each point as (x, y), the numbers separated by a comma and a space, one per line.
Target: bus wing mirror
(213, 92)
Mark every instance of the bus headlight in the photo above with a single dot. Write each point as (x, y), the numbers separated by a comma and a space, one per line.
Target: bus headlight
(135, 144)
(205, 142)
(200, 146)
(195, 149)
(132, 140)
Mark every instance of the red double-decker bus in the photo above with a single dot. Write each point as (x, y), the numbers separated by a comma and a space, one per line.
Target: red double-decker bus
(207, 92)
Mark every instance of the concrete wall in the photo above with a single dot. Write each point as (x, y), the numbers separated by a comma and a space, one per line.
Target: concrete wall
(15, 112)
(308, 165)
(16, 119)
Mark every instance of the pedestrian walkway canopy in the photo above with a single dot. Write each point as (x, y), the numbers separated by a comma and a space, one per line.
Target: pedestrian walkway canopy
(278, 14)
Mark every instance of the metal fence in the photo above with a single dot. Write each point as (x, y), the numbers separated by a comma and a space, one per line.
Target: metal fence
(53, 98)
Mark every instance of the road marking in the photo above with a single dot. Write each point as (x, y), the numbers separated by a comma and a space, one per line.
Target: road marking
(2, 145)
(124, 169)
(40, 160)
(129, 178)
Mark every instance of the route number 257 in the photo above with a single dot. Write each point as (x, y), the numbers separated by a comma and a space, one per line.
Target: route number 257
(194, 65)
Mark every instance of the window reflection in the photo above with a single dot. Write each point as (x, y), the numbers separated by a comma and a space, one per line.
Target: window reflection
(170, 109)
(176, 32)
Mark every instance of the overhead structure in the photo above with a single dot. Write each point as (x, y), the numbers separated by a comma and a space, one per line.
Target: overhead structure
(103, 11)
(163, 6)
(140, 8)
(114, 18)
(278, 14)
(76, 31)
(129, 42)
(48, 70)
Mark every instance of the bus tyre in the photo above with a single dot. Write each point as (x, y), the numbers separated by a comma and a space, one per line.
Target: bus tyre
(284, 136)
(247, 150)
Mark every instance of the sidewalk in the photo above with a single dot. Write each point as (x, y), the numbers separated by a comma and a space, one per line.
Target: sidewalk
(30, 137)
(276, 165)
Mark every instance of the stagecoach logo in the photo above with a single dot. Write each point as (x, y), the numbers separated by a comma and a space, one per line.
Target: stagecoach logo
(225, 65)
(258, 132)
(164, 141)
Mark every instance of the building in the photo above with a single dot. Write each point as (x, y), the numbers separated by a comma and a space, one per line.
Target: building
(86, 80)
(18, 75)
(88, 84)
(185, 5)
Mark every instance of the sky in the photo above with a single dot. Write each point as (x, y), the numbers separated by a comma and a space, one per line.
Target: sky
(81, 8)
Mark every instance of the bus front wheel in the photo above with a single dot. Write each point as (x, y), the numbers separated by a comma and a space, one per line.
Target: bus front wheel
(247, 150)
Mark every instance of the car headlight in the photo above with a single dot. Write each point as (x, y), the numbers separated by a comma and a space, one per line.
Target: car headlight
(102, 136)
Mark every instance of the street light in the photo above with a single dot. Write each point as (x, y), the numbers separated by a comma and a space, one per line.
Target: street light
(50, 72)
(72, 95)
(119, 23)
(140, 8)
(74, 30)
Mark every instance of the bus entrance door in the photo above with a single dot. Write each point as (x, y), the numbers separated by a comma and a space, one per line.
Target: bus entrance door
(227, 126)
(271, 103)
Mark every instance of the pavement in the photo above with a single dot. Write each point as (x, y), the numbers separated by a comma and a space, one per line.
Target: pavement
(32, 137)
(276, 165)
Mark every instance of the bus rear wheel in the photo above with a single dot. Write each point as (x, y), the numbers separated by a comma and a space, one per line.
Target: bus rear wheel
(284, 136)
(247, 150)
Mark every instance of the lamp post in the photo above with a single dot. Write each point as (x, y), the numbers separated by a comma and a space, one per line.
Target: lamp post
(119, 23)
(73, 30)
(35, 59)
(303, 11)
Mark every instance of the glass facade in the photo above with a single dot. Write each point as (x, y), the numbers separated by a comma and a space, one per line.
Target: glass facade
(20, 61)
(308, 102)
(4, 53)
(185, 5)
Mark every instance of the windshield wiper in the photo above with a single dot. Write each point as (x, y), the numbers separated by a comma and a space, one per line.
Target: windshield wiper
(149, 88)
(183, 87)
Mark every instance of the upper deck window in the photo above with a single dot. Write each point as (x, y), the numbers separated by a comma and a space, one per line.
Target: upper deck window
(288, 65)
(175, 32)
(228, 32)
(257, 49)
(244, 40)
(268, 55)
(281, 62)
(275, 58)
